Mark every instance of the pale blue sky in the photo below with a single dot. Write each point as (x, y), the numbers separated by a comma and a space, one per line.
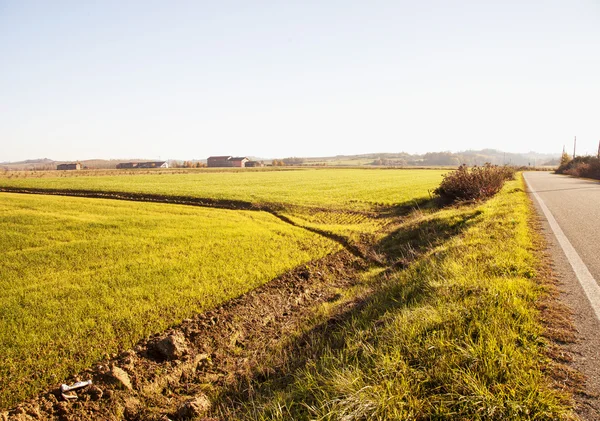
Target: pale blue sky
(148, 79)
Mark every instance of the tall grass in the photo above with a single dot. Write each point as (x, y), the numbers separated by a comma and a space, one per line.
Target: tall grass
(454, 336)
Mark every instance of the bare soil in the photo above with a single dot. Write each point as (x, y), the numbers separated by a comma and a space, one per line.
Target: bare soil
(220, 348)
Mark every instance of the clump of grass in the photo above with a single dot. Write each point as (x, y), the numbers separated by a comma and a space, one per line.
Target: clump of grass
(454, 336)
(476, 183)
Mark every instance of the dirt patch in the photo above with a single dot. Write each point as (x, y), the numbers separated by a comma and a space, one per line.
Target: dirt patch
(170, 375)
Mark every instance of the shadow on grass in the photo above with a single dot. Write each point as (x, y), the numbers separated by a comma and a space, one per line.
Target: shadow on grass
(408, 207)
(405, 245)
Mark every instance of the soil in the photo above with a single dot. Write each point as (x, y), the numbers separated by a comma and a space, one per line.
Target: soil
(217, 349)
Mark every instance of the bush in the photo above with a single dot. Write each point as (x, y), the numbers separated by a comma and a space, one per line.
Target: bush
(476, 183)
(581, 166)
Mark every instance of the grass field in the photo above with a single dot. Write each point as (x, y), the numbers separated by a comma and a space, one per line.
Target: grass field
(448, 328)
(356, 189)
(80, 277)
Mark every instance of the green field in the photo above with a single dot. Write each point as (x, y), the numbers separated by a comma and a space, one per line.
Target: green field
(356, 189)
(345, 202)
(81, 277)
(449, 328)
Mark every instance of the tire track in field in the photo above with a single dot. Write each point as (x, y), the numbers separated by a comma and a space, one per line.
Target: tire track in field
(229, 204)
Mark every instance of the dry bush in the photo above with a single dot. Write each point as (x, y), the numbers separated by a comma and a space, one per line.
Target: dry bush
(581, 166)
(476, 183)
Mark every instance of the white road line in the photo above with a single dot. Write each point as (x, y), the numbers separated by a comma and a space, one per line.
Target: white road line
(587, 281)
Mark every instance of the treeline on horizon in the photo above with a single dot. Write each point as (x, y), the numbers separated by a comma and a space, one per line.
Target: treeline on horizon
(402, 159)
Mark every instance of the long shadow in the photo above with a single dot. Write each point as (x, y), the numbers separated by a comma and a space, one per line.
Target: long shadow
(405, 245)
(405, 208)
(340, 239)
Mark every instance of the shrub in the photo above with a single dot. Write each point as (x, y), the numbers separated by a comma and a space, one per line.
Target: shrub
(581, 166)
(476, 183)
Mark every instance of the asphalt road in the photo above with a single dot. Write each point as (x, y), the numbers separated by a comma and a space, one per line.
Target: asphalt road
(570, 211)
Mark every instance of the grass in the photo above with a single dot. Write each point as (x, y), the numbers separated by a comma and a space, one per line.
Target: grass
(345, 202)
(445, 326)
(83, 278)
(455, 335)
(348, 189)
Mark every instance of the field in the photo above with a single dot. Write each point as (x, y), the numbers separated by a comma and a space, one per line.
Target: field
(340, 201)
(80, 278)
(338, 188)
(412, 312)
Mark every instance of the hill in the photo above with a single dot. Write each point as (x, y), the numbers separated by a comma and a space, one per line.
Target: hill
(401, 159)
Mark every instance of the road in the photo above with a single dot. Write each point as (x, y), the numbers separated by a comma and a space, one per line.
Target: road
(570, 210)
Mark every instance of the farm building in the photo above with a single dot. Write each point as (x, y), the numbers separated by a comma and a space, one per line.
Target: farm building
(227, 161)
(238, 161)
(71, 166)
(155, 164)
(254, 164)
(218, 161)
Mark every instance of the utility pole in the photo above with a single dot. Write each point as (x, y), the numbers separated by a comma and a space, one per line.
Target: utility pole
(574, 146)
(598, 150)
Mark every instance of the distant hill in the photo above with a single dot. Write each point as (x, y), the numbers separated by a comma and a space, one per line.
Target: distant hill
(469, 157)
(30, 164)
(45, 164)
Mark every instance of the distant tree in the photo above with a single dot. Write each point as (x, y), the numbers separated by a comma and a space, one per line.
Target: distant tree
(293, 161)
(440, 158)
(564, 159)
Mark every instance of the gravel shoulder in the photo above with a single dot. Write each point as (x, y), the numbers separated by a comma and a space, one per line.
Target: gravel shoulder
(585, 350)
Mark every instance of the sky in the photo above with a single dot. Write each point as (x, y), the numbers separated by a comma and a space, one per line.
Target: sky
(189, 79)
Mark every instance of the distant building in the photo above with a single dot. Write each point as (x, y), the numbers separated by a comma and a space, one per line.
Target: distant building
(239, 161)
(218, 161)
(227, 161)
(71, 166)
(254, 164)
(155, 164)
